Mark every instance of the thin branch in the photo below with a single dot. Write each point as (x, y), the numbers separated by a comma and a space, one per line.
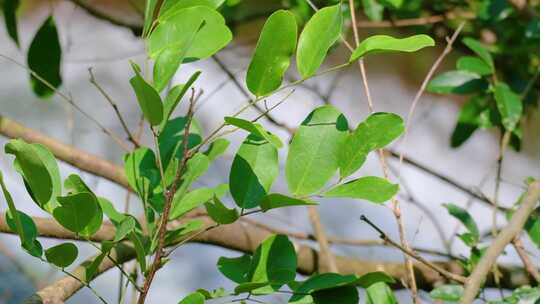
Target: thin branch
(449, 275)
(327, 261)
(115, 108)
(527, 263)
(514, 227)
(416, 21)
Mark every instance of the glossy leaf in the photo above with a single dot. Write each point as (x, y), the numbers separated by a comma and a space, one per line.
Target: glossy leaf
(148, 98)
(91, 269)
(276, 200)
(465, 218)
(46, 64)
(62, 255)
(181, 233)
(10, 18)
(172, 7)
(141, 171)
(475, 113)
(457, 82)
(383, 43)
(319, 34)
(509, 105)
(34, 171)
(196, 167)
(474, 64)
(313, 153)
(447, 292)
(376, 132)
(370, 188)
(255, 129)
(235, 269)
(210, 38)
(220, 213)
(30, 233)
(273, 52)
(12, 210)
(140, 251)
(479, 49)
(190, 201)
(308, 290)
(174, 97)
(374, 277)
(109, 210)
(532, 226)
(274, 261)
(217, 148)
(74, 184)
(76, 211)
(253, 171)
(193, 298)
(149, 13)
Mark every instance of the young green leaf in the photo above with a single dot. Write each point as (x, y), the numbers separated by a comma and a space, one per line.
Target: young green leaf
(74, 184)
(371, 188)
(313, 153)
(92, 268)
(532, 226)
(253, 171)
(210, 38)
(273, 52)
(276, 200)
(376, 132)
(29, 232)
(319, 34)
(10, 18)
(149, 13)
(217, 148)
(45, 64)
(474, 64)
(255, 129)
(125, 227)
(220, 213)
(196, 167)
(109, 210)
(181, 233)
(76, 211)
(374, 277)
(447, 292)
(235, 269)
(465, 218)
(35, 172)
(62, 255)
(140, 250)
(148, 98)
(141, 171)
(175, 96)
(193, 298)
(12, 210)
(382, 43)
(457, 82)
(183, 204)
(172, 7)
(509, 105)
(274, 261)
(310, 288)
(480, 50)
(380, 293)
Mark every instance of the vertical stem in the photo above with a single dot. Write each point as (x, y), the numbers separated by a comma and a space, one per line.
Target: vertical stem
(327, 261)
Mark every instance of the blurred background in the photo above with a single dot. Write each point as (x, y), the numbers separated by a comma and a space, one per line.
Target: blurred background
(90, 41)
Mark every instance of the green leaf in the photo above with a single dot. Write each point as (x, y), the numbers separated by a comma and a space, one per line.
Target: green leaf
(509, 105)
(474, 64)
(447, 292)
(457, 82)
(319, 34)
(183, 204)
(395, 4)
(253, 171)
(376, 132)
(273, 52)
(274, 261)
(220, 213)
(12, 210)
(217, 148)
(172, 7)
(465, 218)
(175, 96)
(312, 288)
(74, 184)
(276, 200)
(383, 43)
(474, 113)
(235, 269)
(46, 64)
(342, 295)
(109, 210)
(125, 227)
(62, 255)
(10, 18)
(371, 188)
(92, 267)
(180, 233)
(76, 211)
(197, 166)
(29, 232)
(533, 29)
(141, 171)
(34, 170)
(313, 153)
(148, 98)
(374, 277)
(210, 38)
(373, 10)
(380, 293)
(253, 288)
(139, 249)
(193, 298)
(480, 50)
(149, 13)
(255, 129)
